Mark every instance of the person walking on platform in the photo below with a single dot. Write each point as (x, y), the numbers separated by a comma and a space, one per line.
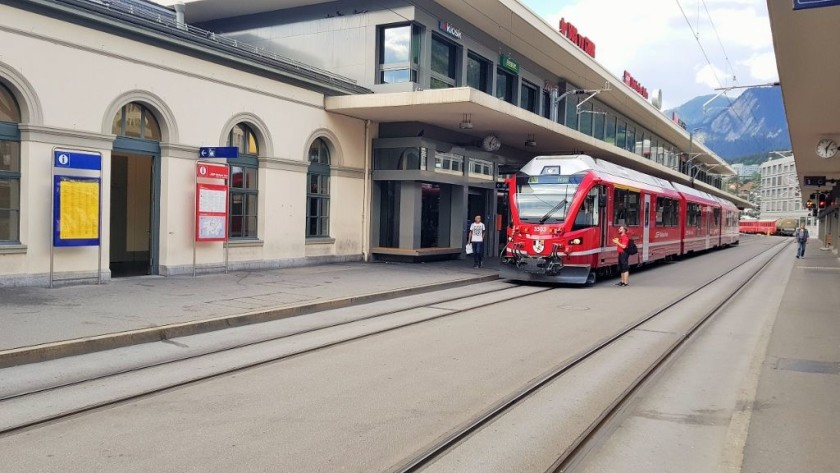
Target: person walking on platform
(621, 243)
(476, 238)
(801, 236)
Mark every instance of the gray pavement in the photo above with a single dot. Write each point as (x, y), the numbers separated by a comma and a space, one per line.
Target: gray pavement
(40, 323)
(795, 422)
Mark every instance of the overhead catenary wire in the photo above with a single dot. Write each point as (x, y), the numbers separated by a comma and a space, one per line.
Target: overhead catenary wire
(696, 35)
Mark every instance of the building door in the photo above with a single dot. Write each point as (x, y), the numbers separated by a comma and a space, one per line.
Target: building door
(131, 215)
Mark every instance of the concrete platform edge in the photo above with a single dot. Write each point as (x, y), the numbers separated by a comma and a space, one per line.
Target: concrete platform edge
(80, 346)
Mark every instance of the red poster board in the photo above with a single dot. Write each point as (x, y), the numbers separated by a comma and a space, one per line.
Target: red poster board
(211, 202)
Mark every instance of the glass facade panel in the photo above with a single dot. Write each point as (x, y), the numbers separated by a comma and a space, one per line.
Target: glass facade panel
(609, 130)
(478, 73)
(585, 119)
(444, 63)
(528, 98)
(598, 125)
(504, 85)
(546, 104)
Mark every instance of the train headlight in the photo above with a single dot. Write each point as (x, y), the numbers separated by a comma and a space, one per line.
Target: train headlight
(575, 241)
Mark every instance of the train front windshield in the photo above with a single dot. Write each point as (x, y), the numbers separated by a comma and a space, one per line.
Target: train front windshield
(545, 198)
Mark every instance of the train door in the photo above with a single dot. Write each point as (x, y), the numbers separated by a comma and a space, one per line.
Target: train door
(603, 218)
(646, 230)
(708, 219)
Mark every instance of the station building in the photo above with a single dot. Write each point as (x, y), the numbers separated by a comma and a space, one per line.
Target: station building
(365, 129)
(803, 33)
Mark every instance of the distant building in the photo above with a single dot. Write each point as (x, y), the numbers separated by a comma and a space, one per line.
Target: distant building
(746, 170)
(780, 194)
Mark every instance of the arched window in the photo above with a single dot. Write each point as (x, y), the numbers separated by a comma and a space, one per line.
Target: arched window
(9, 168)
(134, 120)
(318, 190)
(243, 182)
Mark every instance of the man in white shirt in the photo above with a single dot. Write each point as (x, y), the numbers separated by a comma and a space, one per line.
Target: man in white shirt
(476, 238)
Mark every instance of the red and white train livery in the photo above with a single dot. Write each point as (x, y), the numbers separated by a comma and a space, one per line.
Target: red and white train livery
(566, 210)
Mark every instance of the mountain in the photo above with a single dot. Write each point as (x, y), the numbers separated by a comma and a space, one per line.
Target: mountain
(754, 123)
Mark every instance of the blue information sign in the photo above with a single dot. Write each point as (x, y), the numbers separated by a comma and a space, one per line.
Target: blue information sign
(218, 152)
(77, 160)
(802, 4)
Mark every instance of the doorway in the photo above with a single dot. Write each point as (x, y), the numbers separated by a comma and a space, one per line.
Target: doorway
(132, 212)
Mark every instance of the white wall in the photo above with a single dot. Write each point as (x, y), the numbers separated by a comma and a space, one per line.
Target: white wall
(74, 79)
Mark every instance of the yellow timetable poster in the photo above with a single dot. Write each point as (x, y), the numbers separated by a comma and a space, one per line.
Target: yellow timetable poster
(79, 210)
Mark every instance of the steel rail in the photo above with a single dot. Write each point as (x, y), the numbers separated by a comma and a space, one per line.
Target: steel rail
(451, 441)
(247, 366)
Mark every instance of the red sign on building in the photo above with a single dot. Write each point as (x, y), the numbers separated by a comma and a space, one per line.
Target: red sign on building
(635, 85)
(570, 31)
(211, 202)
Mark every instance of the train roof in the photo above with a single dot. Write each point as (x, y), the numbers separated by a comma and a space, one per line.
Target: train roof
(573, 164)
(697, 194)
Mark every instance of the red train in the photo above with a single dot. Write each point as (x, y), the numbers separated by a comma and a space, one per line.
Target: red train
(780, 226)
(565, 211)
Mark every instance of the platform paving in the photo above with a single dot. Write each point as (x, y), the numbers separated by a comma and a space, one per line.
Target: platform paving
(37, 324)
(795, 424)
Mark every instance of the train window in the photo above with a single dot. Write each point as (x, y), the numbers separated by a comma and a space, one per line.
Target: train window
(625, 207)
(694, 215)
(587, 215)
(667, 214)
(716, 217)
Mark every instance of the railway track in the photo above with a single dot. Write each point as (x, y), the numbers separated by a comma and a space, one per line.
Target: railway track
(428, 459)
(54, 409)
(50, 406)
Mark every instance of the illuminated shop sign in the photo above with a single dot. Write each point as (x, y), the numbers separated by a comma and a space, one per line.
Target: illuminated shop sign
(508, 63)
(635, 85)
(449, 29)
(570, 31)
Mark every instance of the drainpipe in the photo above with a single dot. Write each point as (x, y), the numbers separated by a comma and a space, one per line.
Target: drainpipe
(180, 8)
(366, 197)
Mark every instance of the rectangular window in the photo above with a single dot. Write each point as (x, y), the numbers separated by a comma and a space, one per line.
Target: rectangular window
(546, 104)
(694, 214)
(528, 98)
(481, 168)
(399, 54)
(598, 120)
(609, 132)
(585, 119)
(318, 205)
(570, 103)
(444, 63)
(630, 145)
(625, 207)
(621, 134)
(9, 192)
(504, 85)
(478, 73)
(449, 163)
(667, 212)
(243, 201)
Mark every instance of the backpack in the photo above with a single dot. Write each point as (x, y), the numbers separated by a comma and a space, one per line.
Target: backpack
(631, 249)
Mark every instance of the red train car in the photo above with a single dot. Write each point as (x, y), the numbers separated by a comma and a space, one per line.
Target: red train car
(565, 211)
(767, 227)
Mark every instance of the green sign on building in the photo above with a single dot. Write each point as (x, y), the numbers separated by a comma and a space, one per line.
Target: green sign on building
(508, 63)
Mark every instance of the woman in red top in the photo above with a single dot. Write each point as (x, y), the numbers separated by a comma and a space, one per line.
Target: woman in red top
(621, 243)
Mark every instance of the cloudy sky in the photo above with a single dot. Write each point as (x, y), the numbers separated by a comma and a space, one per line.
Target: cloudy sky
(653, 41)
